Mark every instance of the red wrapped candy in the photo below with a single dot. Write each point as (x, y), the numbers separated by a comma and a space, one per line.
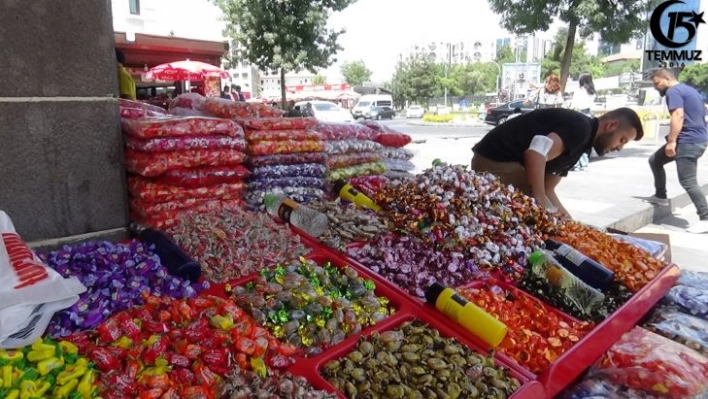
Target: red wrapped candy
(180, 126)
(156, 164)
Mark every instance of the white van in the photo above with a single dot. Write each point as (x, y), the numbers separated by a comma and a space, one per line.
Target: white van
(368, 101)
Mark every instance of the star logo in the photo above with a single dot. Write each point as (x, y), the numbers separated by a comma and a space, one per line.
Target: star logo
(697, 19)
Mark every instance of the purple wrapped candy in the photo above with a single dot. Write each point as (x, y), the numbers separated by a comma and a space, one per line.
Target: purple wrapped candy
(267, 183)
(116, 276)
(286, 171)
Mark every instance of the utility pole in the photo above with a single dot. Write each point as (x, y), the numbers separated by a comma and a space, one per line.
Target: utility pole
(447, 66)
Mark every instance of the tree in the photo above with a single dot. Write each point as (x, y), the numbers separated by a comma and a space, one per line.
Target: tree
(319, 80)
(355, 73)
(417, 78)
(284, 35)
(505, 55)
(616, 21)
(696, 75)
(581, 61)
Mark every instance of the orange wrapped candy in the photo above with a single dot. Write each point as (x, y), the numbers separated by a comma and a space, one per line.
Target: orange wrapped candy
(179, 126)
(155, 164)
(166, 219)
(224, 108)
(268, 147)
(278, 123)
(284, 134)
(147, 190)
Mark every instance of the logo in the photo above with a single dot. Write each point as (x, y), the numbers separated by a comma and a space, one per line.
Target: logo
(680, 30)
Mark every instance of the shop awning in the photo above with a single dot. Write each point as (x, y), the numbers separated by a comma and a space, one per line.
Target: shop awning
(151, 50)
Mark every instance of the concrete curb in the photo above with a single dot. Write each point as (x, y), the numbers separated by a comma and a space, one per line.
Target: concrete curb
(416, 123)
(653, 213)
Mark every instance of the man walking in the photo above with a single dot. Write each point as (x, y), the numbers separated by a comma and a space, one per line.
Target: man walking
(236, 93)
(685, 144)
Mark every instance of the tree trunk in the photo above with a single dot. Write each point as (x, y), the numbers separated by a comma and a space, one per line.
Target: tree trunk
(568, 53)
(283, 94)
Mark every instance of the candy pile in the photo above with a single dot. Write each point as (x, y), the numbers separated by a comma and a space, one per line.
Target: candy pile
(393, 155)
(413, 265)
(680, 327)
(233, 243)
(312, 306)
(537, 336)
(600, 388)
(242, 384)
(689, 299)
(177, 348)
(225, 108)
(369, 184)
(116, 276)
(348, 223)
(649, 362)
(415, 361)
(350, 149)
(181, 163)
(285, 158)
(453, 209)
(46, 369)
(633, 267)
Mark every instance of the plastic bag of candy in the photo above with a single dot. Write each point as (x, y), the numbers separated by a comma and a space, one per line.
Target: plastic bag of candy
(280, 171)
(268, 147)
(164, 220)
(148, 209)
(598, 388)
(680, 327)
(400, 165)
(287, 159)
(372, 168)
(377, 126)
(693, 279)
(689, 299)
(369, 185)
(352, 145)
(345, 131)
(655, 248)
(225, 108)
(646, 361)
(267, 183)
(298, 194)
(130, 109)
(336, 161)
(285, 134)
(155, 164)
(150, 191)
(398, 176)
(177, 126)
(204, 176)
(393, 139)
(168, 144)
(179, 111)
(278, 123)
(395, 153)
(193, 101)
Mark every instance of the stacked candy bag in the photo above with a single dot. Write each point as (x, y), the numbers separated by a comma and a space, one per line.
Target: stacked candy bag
(351, 150)
(177, 163)
(188, 104)
(225, 108)
(396, 158)
(286, 157)
(130, 109)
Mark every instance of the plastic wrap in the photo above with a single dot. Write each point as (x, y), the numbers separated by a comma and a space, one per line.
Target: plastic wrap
(345, 131)
(130, 109)
(377, 126)
(393, 139)
(263, 123)
(655, 248)
(164, 220)
(284, 171)
(373, 168)
(599, 388)
(148, 209)
(678, 326)
(689, 299)
(336, 161)
(266, 147)
(369, 185)
(285, 134)
(168, 144)
(155, 164)
(287, 159)
(267, 183)
(177, 126)
(646, 361)
(179, 111)
(395, 175)
(193, 101)
(351, 145)
(300, 195)
(225, 108)
(150, 191)
(395, 153)
(204, 176)
(400, 165)
(693, 279)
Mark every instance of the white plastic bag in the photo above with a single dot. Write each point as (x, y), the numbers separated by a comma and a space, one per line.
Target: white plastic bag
(30, 292)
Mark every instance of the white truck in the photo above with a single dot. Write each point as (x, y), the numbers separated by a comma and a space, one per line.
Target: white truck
(368, 101)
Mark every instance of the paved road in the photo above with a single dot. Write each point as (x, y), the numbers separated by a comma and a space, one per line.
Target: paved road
(423, 132)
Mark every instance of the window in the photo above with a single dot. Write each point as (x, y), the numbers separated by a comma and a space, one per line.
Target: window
(134, 6)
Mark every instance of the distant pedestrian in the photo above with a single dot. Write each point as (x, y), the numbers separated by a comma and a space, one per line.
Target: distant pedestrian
(583, 100)
(236, 93)
(126, 83)
(548, 96)
(226, 93)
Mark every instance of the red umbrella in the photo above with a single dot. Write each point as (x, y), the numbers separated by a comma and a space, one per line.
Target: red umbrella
(185, 70)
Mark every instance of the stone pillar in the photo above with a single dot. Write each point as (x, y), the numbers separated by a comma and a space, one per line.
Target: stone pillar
(61, 152)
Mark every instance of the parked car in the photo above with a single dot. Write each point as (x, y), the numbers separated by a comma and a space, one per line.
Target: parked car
(327, 111)
(380, 113)
(368, 101)
(442, 110)
(415, 111)
(500, 114)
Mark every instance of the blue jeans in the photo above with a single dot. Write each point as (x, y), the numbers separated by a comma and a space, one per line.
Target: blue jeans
(686, 158)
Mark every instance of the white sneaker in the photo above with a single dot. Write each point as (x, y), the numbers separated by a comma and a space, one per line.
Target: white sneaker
(699, 228)
(657, 201)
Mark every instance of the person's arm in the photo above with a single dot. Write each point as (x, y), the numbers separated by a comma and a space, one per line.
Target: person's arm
(535, 159)
(674, 102)
(550, 187)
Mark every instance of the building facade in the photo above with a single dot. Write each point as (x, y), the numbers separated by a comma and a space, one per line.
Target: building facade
(270, 83)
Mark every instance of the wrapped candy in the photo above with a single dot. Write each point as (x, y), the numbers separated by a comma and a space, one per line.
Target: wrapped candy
(155, 164)
(267, 147)
(268, 183)
(690, 299)
(345, 131)
(287, 134)
(369, 184)
(400, 165)
(301, 195)
(277, 123)
(247, 384)
(395, 153)
(147, 209)
(369, 168)
(678, 326)
(646, 361)
(193, 101)
(396, 140)
(654, 248)
(337, 161)
(150, 191)
(396, 176)
(179, 111)
(377, 126)
(287, 159)
(204, 176)
(178, 126)
(225, 108)
(130, 109)
(600, 388)
(282, 171)
(690, 278)
(349, 146)
(168, 219)
(169, 144)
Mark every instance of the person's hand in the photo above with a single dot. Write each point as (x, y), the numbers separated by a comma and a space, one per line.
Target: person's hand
(670, 149)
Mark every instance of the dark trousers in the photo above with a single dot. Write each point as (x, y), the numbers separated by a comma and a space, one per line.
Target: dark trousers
(686, 158)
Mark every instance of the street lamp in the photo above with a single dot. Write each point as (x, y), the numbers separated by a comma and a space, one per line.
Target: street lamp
(496, 81)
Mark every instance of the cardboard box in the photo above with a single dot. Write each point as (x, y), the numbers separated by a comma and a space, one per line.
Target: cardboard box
(658, 237)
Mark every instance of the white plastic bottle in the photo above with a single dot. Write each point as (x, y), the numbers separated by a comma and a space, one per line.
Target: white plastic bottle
(306, 219)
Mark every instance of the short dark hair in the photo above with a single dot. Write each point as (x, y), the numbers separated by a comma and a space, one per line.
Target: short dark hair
(627, 117)
(236, 87)
(120, 57)
(663, 73)
(227, 88)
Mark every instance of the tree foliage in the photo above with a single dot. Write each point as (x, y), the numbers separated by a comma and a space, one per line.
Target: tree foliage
(355, 73)
(616, 21)
(284, 35)
(696, 75)
(319, 80)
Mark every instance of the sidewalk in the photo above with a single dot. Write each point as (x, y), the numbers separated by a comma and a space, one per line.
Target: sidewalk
(468, 123)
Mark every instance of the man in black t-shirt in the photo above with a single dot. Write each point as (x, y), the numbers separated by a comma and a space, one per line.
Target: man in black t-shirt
(535, 150)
